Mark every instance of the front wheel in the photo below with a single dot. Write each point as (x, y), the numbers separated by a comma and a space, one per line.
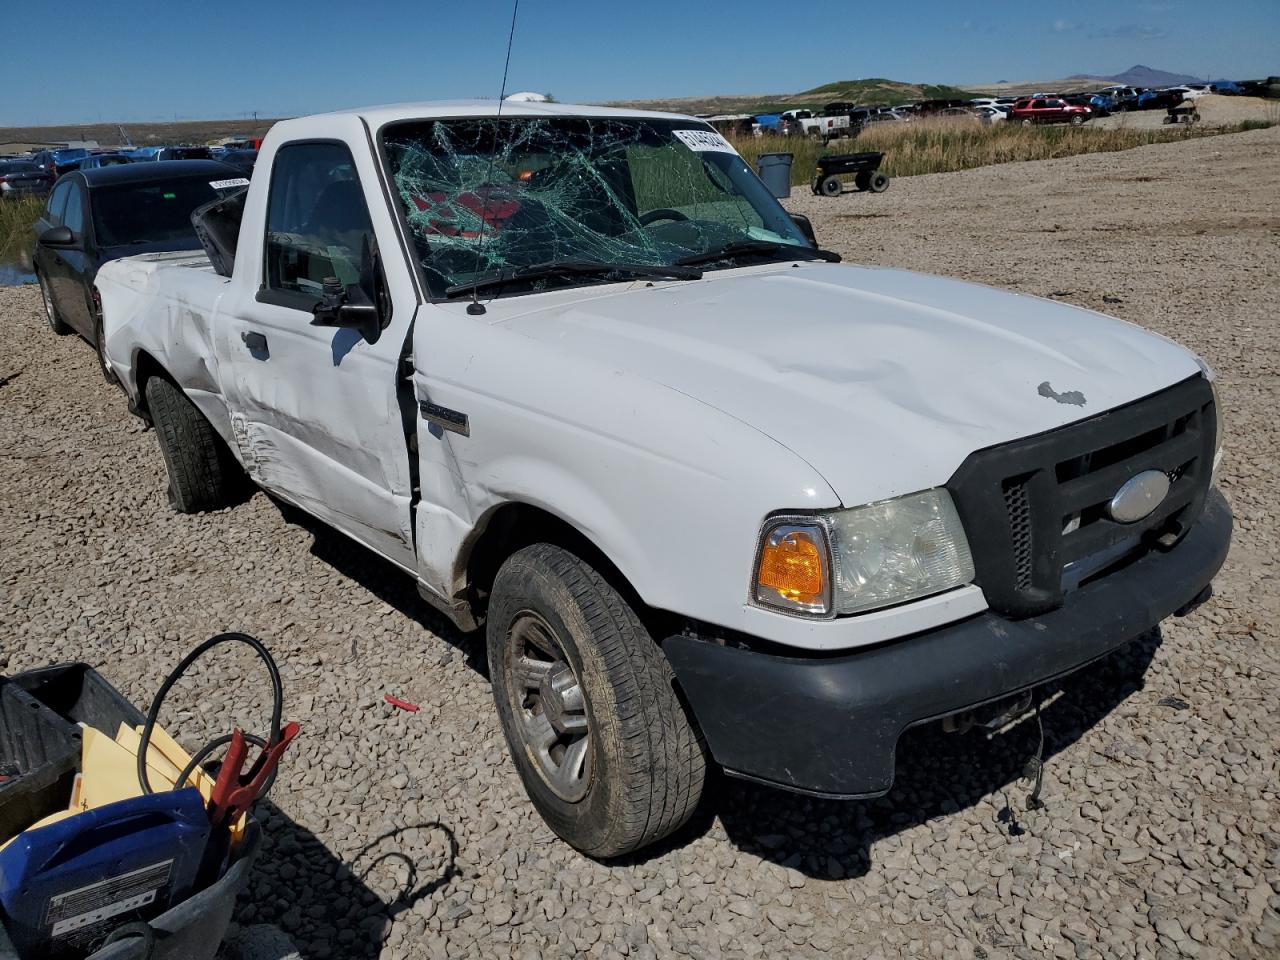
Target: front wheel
(831, 186)
(878, 182)
(603, 745)
(1026, 122)
(1077, 119)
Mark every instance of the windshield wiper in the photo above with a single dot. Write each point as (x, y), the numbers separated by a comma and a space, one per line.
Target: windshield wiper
(745, 248)
(557, 268)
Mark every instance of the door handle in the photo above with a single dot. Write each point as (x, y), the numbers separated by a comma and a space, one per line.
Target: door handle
(255, 341)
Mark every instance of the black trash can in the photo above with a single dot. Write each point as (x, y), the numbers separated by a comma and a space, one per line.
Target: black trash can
(775, 171)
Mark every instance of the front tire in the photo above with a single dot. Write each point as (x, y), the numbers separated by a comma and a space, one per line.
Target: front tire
(201, 470)
(603, 745)
(1077, 119)
(56, 323)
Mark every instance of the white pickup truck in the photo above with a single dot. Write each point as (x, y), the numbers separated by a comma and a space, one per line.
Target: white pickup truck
(714, 497)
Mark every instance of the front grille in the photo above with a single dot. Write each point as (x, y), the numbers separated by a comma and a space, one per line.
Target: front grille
(1018, 507)
(1037, 506)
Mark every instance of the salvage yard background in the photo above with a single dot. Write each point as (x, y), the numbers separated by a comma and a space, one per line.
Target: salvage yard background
(408, 834)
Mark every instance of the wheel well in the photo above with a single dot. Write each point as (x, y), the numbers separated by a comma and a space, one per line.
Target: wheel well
(514, 526)
(145, 367)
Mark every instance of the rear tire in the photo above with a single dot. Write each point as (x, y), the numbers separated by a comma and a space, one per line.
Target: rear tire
(602, 743)
(862, 179)
(201, 469)
(56, 323)
(831, 186)
(1026, 121)
(101, 349)
(1077, 119)
(879, 182)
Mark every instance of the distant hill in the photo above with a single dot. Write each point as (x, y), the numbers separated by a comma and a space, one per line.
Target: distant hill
(1140, 76)
(875, 91)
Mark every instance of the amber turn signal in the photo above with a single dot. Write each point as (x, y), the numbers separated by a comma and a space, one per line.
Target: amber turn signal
(793, 569)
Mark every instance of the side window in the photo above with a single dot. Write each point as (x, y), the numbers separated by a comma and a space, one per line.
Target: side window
(74, 215)
(1037, 104)
(57, 203)
(317, 222)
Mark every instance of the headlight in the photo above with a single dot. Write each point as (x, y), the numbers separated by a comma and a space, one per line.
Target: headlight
(880, 554)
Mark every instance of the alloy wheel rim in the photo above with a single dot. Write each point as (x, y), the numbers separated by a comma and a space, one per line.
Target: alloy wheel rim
(549, 706)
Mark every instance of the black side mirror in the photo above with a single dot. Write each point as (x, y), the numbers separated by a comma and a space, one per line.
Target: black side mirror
(348, 307)
(58, 237)
(806, 227)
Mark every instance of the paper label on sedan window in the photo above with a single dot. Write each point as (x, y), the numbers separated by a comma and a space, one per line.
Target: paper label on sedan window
(228, 184)
(703, 140)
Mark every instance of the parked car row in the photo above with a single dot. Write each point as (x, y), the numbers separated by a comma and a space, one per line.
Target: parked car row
(35, 174)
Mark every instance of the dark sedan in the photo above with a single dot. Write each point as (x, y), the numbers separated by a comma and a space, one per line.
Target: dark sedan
(93, 216)
(23, 178)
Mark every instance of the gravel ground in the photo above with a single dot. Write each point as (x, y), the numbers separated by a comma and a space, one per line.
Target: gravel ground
(408, 835)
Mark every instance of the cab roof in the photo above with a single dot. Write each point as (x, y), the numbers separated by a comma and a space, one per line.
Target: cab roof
(379, 116)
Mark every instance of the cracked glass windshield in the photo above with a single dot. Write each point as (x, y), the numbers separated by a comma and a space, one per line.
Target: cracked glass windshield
(630, 192)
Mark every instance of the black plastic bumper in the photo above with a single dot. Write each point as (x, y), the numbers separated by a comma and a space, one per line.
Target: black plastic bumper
(830, 725)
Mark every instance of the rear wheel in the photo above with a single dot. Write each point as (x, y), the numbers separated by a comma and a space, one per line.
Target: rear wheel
(879, 182)
(831, 185)
(1026, 121)
(56, 323)
(201, 470)
(599, 738)
(1077, 119)
(100, 346)
(862, 179)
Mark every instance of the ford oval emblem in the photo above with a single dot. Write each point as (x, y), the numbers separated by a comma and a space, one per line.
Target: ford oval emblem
(1139, 496)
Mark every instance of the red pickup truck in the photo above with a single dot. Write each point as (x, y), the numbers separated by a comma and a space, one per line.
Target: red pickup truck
(1049, 110)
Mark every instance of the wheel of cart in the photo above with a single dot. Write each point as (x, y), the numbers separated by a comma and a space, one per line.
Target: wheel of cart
(831, 186)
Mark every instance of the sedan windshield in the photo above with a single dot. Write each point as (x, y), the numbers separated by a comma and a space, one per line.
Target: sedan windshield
(150, 212)
(587, 190)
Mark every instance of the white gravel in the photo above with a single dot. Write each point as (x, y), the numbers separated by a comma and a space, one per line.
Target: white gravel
(408, 835)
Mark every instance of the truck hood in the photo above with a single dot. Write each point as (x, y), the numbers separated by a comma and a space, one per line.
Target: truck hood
(882, 380)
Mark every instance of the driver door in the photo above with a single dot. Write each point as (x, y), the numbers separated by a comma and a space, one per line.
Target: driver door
(316, 410)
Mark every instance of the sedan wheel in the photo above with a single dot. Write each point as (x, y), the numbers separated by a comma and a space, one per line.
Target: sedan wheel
(56, 323)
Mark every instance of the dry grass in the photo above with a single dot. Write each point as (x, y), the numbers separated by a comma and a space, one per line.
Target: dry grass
(16, 220)
(942, 145)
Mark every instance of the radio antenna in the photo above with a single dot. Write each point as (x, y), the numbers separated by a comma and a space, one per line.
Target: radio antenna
(475, 307)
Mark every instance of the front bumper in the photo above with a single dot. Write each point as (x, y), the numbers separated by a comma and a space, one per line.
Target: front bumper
(830, 725)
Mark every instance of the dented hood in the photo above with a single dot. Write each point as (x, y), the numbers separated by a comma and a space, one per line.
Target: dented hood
(882, 380)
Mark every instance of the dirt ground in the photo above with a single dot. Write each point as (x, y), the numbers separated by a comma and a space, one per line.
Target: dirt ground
(407, 835)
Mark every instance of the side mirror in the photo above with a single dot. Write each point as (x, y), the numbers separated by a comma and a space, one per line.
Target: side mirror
(348, 307)
(806, 227)
(58, 237)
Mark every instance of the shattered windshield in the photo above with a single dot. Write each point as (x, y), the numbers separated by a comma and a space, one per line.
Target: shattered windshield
(630, 191)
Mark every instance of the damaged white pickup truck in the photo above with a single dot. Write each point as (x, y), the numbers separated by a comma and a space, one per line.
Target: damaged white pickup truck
(714, 497)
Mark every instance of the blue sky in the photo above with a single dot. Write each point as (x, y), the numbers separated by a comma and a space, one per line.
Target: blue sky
(85, 60)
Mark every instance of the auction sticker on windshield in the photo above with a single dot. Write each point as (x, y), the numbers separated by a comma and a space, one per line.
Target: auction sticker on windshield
(227, 184)
(701, 141)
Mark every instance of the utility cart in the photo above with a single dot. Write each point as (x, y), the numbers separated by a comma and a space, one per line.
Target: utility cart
(833, 172)
(1183, 113)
